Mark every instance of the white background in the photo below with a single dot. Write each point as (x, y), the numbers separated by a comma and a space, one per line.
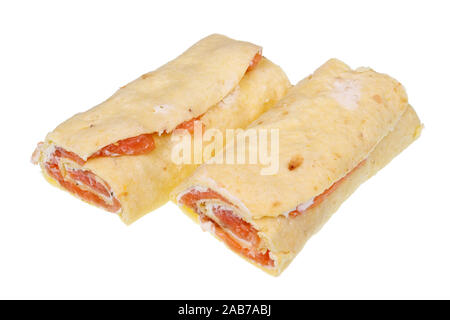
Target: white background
(389, 240)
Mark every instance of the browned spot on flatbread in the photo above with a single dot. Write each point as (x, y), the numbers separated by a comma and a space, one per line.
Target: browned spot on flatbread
(337, 155)
(276, 204)
(145, 76)
(377, 98)
(296, 161)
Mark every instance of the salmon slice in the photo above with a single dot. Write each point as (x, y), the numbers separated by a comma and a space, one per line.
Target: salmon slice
(190, 124)
(61, 153)
(83, 183)
(321, 197)
(241, 228)
(131, 146)
(256, 59)
(230, 227)
(191, 198)
(263, 258)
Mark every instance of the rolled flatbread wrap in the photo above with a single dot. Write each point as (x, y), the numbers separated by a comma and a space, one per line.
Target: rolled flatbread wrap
(337, 128)
(117, 155)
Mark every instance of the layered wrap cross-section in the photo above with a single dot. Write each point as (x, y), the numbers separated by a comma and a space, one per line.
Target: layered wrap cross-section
(117, 155)
(337, 128)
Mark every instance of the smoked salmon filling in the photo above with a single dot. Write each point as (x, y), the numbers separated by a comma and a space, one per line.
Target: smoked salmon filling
(65, 168)
(321, 197)
(59, 165)
(237, 233)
